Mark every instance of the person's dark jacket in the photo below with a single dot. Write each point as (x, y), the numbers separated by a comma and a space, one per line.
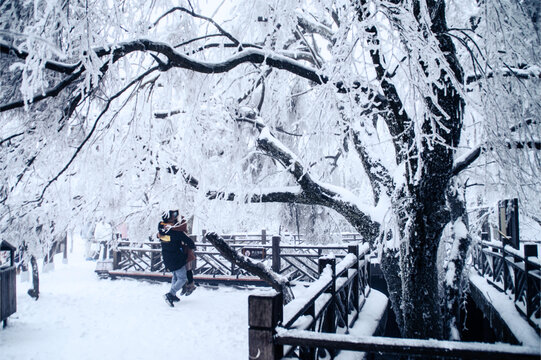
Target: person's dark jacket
(171, 240)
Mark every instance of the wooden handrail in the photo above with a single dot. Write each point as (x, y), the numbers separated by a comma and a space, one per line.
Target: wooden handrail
(506, 267)
(319, 302)
(432, 348)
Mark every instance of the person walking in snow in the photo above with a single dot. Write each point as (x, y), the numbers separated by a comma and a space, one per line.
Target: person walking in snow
(191, 261)
(174, 257)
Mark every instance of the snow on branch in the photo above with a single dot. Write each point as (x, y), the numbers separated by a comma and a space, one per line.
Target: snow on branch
(377, 173)
(285, 194)
(179, 60)
(176, 59)
(313, 27)
(194, 14)
(530, 72)
(257, 268)
(466, 160)
(92, 130)
(64, 68)
(51, 92)
(362, 217)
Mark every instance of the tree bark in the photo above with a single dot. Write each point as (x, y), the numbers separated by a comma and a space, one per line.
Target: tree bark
(276, 281)
(390, 266)
(454, 279)
(34, 291)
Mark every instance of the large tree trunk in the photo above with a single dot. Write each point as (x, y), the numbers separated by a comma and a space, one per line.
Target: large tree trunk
(390, 266)
(421, 306)
(455, 280)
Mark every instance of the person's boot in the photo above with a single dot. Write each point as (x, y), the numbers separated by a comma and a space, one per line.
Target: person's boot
(169, 299)
(175, 298)
(190, 288)
(184, 288)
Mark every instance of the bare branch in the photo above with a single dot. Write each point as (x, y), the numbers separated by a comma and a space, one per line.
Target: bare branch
(11, 137)
(531, 72)
(52, 92)
(313, 27)
(192, 13)
(258, 268)
(524, 145)
(466, 161)
(59, 67)
(318, 193)
(197, 39)
(163, 114)
(526, 122)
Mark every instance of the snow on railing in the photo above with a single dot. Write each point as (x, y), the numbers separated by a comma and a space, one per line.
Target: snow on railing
(515, 273)
(330, 304)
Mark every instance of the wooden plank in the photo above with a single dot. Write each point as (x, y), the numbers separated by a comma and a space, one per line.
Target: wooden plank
(8, 292)
(289, 259)
(212, 279)
(264, 314)
(387, 345)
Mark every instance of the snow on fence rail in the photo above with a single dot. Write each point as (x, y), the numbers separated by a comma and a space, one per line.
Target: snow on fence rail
(517, 275)
(143, 260)
(408, 347)
(330, 304)
(316, 324)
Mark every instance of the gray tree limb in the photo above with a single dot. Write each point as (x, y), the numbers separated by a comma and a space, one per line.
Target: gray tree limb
(257, 268)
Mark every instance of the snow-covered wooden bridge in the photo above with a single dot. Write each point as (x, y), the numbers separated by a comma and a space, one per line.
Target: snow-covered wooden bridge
(514, 276)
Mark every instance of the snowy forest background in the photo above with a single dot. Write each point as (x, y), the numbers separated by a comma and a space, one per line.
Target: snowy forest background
(393, 118)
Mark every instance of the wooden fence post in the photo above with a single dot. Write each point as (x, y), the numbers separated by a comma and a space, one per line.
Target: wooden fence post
(203, 238)
(531, 288)
(505, 271)
(308, 352)
(484, 260)
(354, 249)
(276, 265)
(116, 260)
(329, 323)
(264, 314)
(65, 249)
(329, 320)
(263, 236)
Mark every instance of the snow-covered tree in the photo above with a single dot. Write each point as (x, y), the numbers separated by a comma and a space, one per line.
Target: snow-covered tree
(371, 109)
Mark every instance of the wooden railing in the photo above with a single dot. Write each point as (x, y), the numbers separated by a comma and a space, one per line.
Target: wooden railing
(404, 348)
(330, 304)
(316, 324)
(516, 274)
(297, 262)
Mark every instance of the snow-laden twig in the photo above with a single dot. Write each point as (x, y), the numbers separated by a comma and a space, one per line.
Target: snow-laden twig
(276, 281)
(91, 132)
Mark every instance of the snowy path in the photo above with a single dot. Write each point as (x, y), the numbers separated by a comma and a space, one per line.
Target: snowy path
(81, 317)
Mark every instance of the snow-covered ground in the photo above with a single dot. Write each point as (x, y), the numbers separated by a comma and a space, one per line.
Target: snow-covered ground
(79, 316)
